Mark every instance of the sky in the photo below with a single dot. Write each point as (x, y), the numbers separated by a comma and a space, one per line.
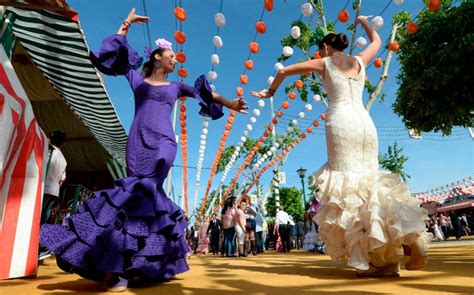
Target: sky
(433, 160)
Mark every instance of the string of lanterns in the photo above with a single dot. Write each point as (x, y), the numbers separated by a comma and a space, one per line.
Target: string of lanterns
(463, 187)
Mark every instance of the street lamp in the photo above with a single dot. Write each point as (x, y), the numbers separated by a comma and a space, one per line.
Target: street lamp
(302, 174)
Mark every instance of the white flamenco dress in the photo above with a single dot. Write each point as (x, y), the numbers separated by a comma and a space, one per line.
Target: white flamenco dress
(366, 214)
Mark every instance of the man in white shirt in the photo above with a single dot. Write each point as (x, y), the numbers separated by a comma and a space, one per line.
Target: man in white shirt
(55, 177)
(283, 221)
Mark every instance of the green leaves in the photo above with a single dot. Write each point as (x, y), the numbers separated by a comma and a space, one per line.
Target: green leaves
(394, 161)
(291, 200)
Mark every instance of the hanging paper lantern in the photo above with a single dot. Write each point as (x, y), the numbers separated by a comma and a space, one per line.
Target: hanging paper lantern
(377, 23)
(393, 46)
(301, 115)
(231, 120)
(270, 80)
(181, 57)
(309, 129)
(182, 72)
(280, 114)
(323, 116)
(295, 32)
(434, 5)
(215, 60)
(285, 105)
(343, 16)
(278, 66)
(299, 84)
(292, 95)
(378, 62)
(228, 126)
(275, 121)
(217, 41)
(308, 107)
(317, 97)
(361, 42)
(182, 98)
(315, 123)
(249, 65)
(212, 75)
(317, 55)
(244, 79)
(260, 27)
(249, 127)
(182, 124)
(289, 129)
(270, 128)
(261, 103)
(182, 108)
(268, 5)
(303, 135)
(298, 140)
(412, 28)
(180, 37)
(256, 112)
(307, 9)
(398, 2)
(294, 122)
(219, 19)
(180, 14)
(287, 51)
(253, 120)
(239, 91)
(254, 48)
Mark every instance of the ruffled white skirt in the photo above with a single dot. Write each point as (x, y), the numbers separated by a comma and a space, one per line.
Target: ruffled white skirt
(365, 218)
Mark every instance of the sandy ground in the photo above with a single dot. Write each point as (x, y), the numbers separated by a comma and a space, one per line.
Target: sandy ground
(450, 270)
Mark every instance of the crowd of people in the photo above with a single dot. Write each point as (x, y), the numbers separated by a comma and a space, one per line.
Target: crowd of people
(450, 224)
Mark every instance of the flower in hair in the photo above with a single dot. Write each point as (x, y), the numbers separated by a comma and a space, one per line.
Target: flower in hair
(163, 43)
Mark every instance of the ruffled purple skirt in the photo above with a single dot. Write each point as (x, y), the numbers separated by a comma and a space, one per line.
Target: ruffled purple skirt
(133, 230)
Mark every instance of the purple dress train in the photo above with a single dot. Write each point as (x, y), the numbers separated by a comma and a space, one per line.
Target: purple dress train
(133, 229)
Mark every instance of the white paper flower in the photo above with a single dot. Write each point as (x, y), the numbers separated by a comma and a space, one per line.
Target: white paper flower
(243, 139)
(256, 112)
(219, 19)
(215, 59)
(203, 137)
(205, 130)
(306, 9)
(278, 66)
(269, 153)
(217, 41)
(301, 115)
(317, 97)
(294, 122)
(273, 149)
(249, 127)
(377, 23)
(277, 145)
(261, 103)
(253, 120)
(238, 148)
(361, 42)
(287, 51)
(295, 32)
(212, 76)
(205, 124)
(398, 2)
(246, 133)
(203, 142)
(308, 107)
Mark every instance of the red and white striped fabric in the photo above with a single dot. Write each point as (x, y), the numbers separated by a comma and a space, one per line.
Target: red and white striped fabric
(23, 150)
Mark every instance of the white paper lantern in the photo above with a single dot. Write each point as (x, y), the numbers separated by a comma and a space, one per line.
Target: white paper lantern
(361, 42)
(287, 51)
(377, 23)
(277, 191)
(253, 120)
(215, 60)
(256, 112)
(203, 137)
(290, 129)
(257, 165)
(270, 80)
(237, 148)
(306, 9)
(308, 107)
(273, 149)
(205, 124)
(264, 157)
(294, 122)
(398, 2)
(246, 133)
(277, 145)
(213, 88)
(205, 130)
(241, 144)
(295, 32)
(261, 103)
(219, 19)
(217, 41)
(243, 139)
(301, 115)
(278, 66)
(317, 97)
(249, 127)
(202, 142)
(212, 76)
(280, 140)
(269, 153)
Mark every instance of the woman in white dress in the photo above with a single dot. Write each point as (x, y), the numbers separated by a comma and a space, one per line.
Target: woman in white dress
(366, 214)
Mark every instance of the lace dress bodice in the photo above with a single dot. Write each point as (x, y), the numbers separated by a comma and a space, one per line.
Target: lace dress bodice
(350, 133)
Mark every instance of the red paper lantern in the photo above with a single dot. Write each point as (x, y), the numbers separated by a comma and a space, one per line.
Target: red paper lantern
(182, 108)
(275, 121)
(182, 72)
(343, 16)
(315, 123)
(268, 5)
(260, 27)
(249, 64)
(180, 14)
(317, 55)
(323, 116)
(298, 84)
(180, 37)
(412, 28)
(434, 5)
(309, 129)
(279, 114)
(254, 47)
(378, 62)
(393, 46)
(182, 98)
(181, 57)
(292, 95)
(285, 105)
(244, 79)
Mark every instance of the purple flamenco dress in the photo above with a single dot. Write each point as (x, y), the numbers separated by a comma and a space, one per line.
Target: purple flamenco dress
(133, 229)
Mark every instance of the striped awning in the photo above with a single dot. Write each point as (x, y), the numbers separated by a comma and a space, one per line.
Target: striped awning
(57, 47)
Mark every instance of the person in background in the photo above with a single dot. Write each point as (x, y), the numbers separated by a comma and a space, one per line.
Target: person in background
(240, 224)
(282, 221)
(299, 233)
(259, 220)
(228, 223)
(213, 231)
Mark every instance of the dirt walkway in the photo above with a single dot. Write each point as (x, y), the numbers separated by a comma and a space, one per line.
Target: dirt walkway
(295, 273)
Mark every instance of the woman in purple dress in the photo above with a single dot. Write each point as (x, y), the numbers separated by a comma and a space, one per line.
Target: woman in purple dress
(134, 230)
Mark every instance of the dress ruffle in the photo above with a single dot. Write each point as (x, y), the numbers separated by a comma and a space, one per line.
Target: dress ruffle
(209, 107)
(116, 56)
(365, 218)
(133, 230)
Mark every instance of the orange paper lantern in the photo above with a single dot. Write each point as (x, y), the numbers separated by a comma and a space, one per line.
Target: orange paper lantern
(182, 108)
(315, 123)
(309, 129)
(434, 5)
(293, 144)
(228, 126)
(182, 72)
(226, 133)
(244, 79)
(266, 134)
(270, 128)
(343, 16)
(280, 114)
(239, 91)
(393, 46)
(233, 113)
(182, 98)
(260, 27)
(180, 14)
(268, 5)
(262, 139)
(231, 120)
(259, 144)
(323, 116)
(180, 37)
(299, 84)
(183, 131)
(378, 62)
(298, 140)
(275, 121)
(249, 65)
(182, 116)
(254, 47)
(412, 28)
(292, 95)
(317, 55)
(181, 57)
(285, 105)
(183, 124)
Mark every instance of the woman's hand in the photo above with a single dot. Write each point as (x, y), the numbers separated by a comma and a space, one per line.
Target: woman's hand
(262, 94)
(362, 18)
(239, 105)
(134, 18)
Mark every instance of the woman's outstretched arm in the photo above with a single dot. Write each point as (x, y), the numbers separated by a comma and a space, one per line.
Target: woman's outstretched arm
(369, 53)
(131, 18)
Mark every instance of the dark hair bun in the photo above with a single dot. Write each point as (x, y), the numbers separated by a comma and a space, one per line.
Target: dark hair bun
(342, 41)
(338, 42)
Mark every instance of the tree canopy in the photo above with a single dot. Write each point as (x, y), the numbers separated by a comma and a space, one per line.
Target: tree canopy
(291, 200)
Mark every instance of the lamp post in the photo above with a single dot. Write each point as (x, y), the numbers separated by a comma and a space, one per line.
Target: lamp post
(302, 174)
